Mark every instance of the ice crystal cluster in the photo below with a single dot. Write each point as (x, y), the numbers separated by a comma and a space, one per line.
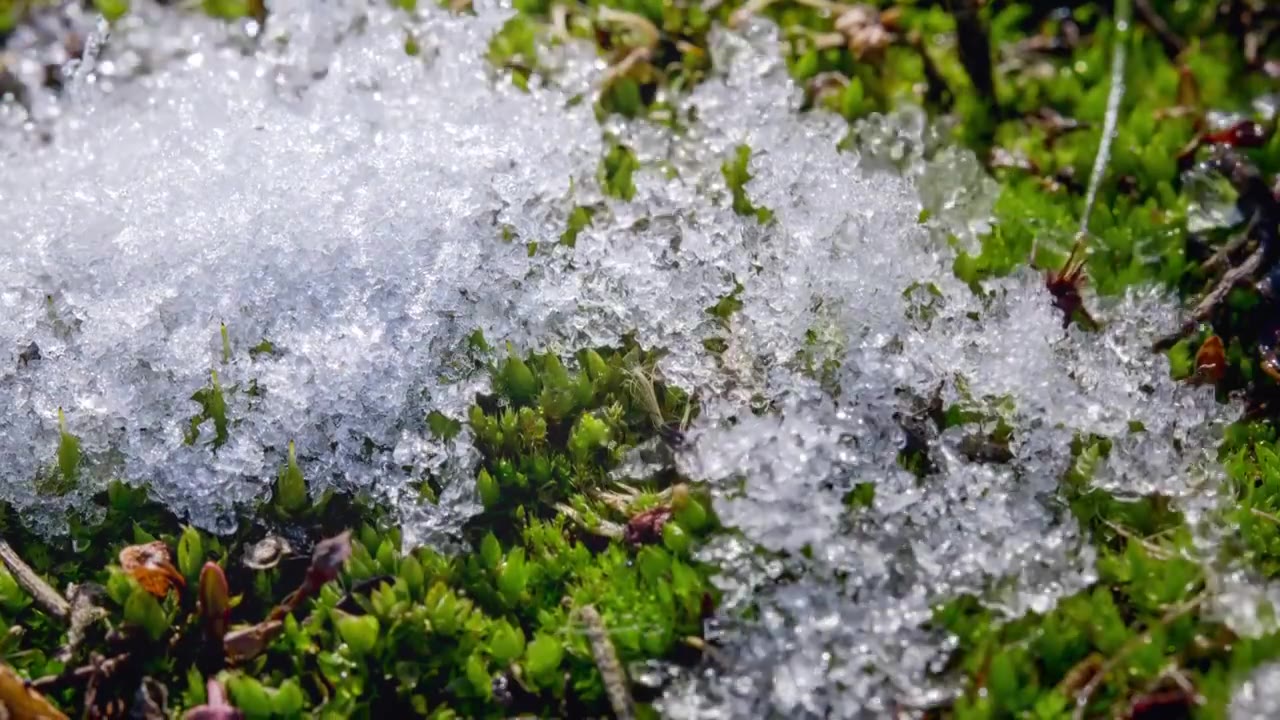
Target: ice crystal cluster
(364, 211)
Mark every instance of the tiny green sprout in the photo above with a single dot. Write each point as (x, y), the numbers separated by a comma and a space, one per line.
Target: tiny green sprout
(359, 632)
(291, 486)
(411, 46)
(213, 404)
(616, 169)
(579, 219)
(249, 696)
(442, 426)
(728, 304)
(517, 380)
(68, 452)
(589, 434)
(542, 659)
(487, 487)
(736, 175)
(142, 610)
(227, 9)
(226, 344)
(863, 495)
(265, 347)
(507, 643)
(477, 343)
(190, 554)
(597, 369)
(112, 10)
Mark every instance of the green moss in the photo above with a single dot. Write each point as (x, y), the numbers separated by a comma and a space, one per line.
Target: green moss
(736, 175)
(616, 170)
(490, 633)
(1108, 646)
(1119, 641)
(1252, 461)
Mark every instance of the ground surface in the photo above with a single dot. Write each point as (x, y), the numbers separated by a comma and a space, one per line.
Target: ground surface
(640, 358)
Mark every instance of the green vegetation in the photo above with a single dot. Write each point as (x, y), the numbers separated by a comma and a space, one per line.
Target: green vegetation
(1141, 639)
(506, 627)
(489, 633)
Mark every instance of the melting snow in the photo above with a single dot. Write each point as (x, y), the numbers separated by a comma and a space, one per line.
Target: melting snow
(348, 203)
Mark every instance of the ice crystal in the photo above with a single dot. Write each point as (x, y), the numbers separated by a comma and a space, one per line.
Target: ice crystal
(363, 212)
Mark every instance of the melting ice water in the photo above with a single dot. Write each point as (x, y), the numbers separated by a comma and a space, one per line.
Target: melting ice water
(349, 204)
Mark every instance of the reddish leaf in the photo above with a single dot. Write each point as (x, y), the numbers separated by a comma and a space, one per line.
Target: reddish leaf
(646, 528)
(1211, 361)
(215, 601)
(152, 567)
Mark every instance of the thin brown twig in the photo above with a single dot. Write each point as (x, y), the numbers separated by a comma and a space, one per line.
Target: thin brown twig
(615, 679)
(1233, 277)
(641, 25)
(50, 600)
(81, 674)
(1221, 256)
(1086, 692)
(1154, 550)
(1172, 43)
(84, 613)
(634, 57)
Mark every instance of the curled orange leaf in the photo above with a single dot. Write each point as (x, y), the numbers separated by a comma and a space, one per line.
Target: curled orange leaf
(1211, 361)
(152, 567)
(18, 700)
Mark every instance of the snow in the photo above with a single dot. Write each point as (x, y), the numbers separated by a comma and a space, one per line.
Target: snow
(348, 203)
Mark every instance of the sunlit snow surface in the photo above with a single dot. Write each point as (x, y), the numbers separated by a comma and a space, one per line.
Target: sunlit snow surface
(350, 203)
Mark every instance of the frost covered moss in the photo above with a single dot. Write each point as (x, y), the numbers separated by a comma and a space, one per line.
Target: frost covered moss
(1140, 640)
(500, 630)
(493, 632)
(1032, 106)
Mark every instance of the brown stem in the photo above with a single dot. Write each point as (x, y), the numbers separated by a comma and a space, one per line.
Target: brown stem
(647, 31)
(975, 49)
(636, 56)
(1233, 277)
(50, 600)
(1223, 255)
(1172, 43)
(606, 657)
(83, 614)
(81, 674)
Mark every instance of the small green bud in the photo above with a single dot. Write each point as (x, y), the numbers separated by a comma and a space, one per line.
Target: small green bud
(488, 489)
(596, 366)
(490, 552)
(518, 381)
(291, 487)
(674, 538)
(249, 696)
(359, 632)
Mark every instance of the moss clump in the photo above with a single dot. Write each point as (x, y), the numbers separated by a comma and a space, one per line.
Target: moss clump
(654, 49)
(1128, 642)
(736, 175)
(1138, 638)
(490, 633)
(1252, 461)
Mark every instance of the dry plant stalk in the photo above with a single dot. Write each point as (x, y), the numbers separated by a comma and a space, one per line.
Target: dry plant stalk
(615, 679)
